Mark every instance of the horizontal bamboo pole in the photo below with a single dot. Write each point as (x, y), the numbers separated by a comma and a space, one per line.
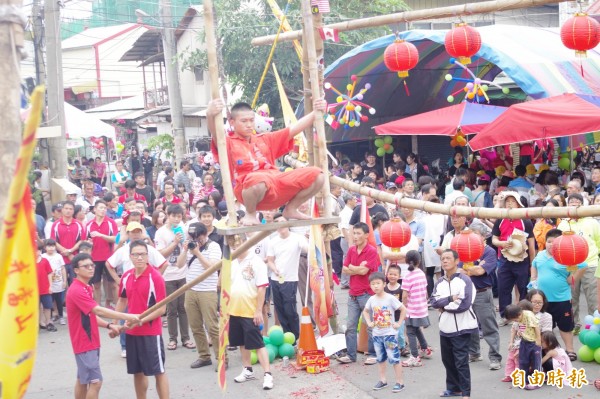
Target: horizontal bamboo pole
(472, 212)
(255, 239)
(416, 15)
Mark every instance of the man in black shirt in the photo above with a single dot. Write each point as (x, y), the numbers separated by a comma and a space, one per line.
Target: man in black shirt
(147, 167)
(372, 207)
(355, 175)
(142, 188)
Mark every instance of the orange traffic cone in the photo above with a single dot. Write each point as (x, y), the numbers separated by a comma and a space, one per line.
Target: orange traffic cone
(307, 340)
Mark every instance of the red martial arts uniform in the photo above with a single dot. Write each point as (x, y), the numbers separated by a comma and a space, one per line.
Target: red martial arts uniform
(253, 162)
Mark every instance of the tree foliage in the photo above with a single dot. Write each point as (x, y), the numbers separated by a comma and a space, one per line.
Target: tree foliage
(239, 21)
(162, 143)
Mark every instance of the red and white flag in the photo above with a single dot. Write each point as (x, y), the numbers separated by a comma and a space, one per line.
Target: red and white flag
(329, 34)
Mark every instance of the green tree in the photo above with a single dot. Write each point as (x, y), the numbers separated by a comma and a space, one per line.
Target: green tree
(162, 143)
(238, 22)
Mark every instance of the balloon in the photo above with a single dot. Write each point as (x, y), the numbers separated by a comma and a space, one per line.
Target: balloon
(379, 142)
(272, 351)
(286, 350)
(390, 150)
(387, 147)
(592, 340)
(596, 313)
(585, 354)
(582, 335)
(505, 90)
(276, 337)
(596, 320)
(380, 152)
(253, 357)
(589, 319)
(450, 99)
(595, 328)
(564, 163)
(453, 143)
(275, 327)
(267, 340)
(387, 139)
(289, 338)
(339, 99)
(597, 355)
(461, 141)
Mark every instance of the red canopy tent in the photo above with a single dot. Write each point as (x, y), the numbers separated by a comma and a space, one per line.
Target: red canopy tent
(470, 117)
(564, 115)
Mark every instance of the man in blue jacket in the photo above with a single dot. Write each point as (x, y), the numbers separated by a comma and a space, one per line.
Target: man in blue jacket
(453, 296)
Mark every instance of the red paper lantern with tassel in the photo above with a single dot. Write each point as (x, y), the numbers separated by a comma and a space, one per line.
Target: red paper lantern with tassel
(570, 249)
(395, 233)
(401, 56)
(469, 246)
(580, 33)
(463, 42)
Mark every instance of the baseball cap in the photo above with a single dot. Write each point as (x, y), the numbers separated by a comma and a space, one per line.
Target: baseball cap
(390, 184)
(71, 192)
(134, 226)
(484, 177)
(400, 180)
(222, 207)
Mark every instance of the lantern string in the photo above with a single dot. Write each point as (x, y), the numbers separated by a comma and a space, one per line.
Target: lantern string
(406, 88)
(581, 66)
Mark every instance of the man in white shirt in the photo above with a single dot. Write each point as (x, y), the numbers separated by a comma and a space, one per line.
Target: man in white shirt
(344, 225)
(283, 260)
(200, 253)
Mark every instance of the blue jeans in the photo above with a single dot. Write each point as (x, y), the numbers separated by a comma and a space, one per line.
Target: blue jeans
(356, 304)
(400, 336)
(386, 348)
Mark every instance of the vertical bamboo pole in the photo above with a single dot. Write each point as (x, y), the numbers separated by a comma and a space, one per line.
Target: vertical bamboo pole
(219, 133)
(309, 45)
(308, 133)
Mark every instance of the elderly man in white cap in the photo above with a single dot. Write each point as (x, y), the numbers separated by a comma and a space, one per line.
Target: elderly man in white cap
(514, 253)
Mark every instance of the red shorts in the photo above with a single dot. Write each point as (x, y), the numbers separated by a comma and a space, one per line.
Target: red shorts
(281, 186)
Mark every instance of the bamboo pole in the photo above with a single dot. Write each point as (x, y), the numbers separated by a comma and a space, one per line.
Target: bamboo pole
(472, 212)
(255, 239)
(315, 85)
(219, 133)
(416, 15)
(308, 133)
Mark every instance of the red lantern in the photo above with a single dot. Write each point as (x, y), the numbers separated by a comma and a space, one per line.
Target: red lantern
(395, 233)
(469, 246)
(401, 56)
(463, 42)
(570, 249)
(580, 33)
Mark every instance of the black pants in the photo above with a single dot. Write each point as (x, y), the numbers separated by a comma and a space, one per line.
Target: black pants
(284, 298)
(455, 356)
(530, 357)
(430, 274)
(337, 256)
(58, 298)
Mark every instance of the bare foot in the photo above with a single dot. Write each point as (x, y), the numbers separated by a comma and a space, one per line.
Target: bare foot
(249, 220)
(291, 214)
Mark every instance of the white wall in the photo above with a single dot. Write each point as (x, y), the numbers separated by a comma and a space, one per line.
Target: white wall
(79, 66)
(193, 93)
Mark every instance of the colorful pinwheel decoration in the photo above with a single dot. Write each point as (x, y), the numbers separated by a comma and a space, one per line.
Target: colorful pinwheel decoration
(348, 109)
(384, 146)
(475, 88)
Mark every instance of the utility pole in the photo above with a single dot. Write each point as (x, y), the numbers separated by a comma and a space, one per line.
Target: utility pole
(55, 93)
(37, 16)
(172, 66)
(12, 23)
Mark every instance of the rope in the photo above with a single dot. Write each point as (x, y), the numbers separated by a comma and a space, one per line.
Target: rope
(270, 58)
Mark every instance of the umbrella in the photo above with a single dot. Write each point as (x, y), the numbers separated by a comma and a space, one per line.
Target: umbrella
(564, 115)
(470, 117)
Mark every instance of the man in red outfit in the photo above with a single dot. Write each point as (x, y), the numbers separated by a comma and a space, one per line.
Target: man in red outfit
(257, 182)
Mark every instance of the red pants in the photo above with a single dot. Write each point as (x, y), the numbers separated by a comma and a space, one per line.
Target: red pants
(281, 186)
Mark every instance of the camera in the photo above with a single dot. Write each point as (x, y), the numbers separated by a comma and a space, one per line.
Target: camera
(191, 245)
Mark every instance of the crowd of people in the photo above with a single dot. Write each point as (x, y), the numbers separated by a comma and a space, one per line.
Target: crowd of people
(116, 252)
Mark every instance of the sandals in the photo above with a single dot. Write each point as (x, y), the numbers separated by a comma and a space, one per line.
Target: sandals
(597, 384)
(572, 356)
(189, 344)
(172, 345)
(449, 394)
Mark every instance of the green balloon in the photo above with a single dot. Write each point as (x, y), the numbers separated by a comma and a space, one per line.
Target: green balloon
(266, 340)
(597, 355)
(387, 140)
(286, 350)
(380, 152)
(505, 90)
(253, 357)
(272, 351)
(593, 340)
(289, 338)
(276, 337)
(275, 327)
(582, 335)
(564, 163)
(585, 354)
(379, 142)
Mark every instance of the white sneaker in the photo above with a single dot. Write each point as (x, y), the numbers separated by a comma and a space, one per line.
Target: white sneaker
(412, 362)
(246, 375)
(268, 382)
(123, 353)
(62, 321)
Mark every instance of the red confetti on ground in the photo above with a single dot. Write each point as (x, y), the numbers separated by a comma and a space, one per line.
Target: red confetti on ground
(306, 393)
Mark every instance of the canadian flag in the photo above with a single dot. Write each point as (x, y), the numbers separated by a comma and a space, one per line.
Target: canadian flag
(329, 34)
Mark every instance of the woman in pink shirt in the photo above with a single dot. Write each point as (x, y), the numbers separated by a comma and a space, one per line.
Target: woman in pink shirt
(100, 169)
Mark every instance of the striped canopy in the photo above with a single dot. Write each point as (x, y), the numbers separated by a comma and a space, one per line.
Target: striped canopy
(540, 65)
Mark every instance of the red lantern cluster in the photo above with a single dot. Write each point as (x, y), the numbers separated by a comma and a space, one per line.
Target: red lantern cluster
(395, 233)
(469, 246)
(463, 42)
(580, 33)
(570, 249)
(401, 56)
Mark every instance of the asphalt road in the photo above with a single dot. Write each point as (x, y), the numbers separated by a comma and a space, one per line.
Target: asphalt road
(55, 372)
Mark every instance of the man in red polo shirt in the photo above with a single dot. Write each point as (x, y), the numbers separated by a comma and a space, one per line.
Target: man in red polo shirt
(102, 231)
(362, 260)
(67, 232)
(131, 193)
(258, 183)
(84, 319)
(141, 288)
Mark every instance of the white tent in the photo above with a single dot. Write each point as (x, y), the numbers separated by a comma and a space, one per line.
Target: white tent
(79, 124)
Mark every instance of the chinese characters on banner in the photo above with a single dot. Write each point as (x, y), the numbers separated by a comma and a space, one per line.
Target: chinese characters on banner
(557, 378)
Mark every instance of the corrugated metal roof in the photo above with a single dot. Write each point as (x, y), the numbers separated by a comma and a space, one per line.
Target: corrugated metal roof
(92, 36)
(147, 45)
